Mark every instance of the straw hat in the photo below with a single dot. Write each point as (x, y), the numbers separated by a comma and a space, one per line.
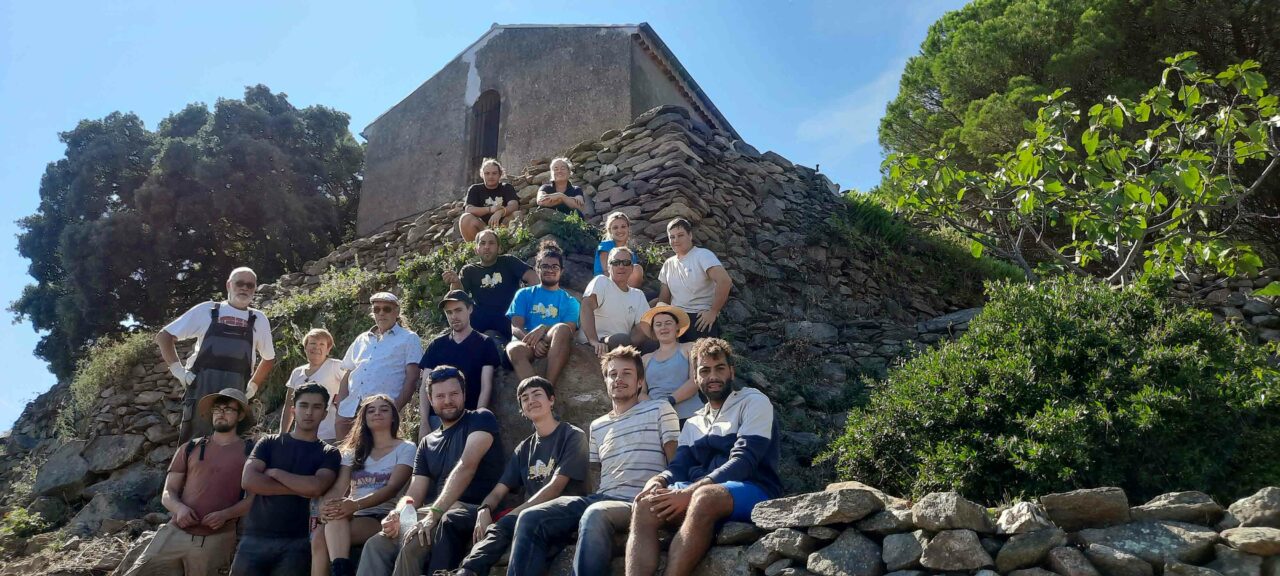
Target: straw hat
(682, 319)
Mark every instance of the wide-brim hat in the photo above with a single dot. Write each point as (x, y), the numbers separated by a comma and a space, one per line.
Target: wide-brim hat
(246, 414)
(682, 319)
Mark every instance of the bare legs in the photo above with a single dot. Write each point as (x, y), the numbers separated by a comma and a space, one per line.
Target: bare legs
(559, 341)
(333, 540)
(697, 528)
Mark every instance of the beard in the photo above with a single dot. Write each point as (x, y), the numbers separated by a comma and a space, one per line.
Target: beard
(550, 284)
(450, 416)
(720, 395)
(224, 426)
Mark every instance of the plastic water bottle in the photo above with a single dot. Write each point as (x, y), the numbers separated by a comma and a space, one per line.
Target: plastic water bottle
(408, 517)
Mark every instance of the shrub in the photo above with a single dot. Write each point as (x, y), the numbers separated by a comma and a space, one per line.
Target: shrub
(1069, 384)
(107, 363)
(19, 523)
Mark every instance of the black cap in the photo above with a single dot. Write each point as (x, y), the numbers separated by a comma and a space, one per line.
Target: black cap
(457, 296)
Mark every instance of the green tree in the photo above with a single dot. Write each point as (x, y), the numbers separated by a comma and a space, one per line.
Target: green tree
(135, 225)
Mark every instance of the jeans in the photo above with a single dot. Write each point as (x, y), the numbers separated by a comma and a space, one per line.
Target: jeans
(487, 552)
(264, 555)
(452, 539)
(543, 529)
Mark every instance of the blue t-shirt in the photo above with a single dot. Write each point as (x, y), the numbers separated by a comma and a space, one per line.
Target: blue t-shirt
(539, 306)
(606, 246)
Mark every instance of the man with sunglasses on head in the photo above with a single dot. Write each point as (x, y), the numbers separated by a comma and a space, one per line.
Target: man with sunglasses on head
(612, 308)
(544, 319)
(230, 336)
(382, 360)
(461, 346)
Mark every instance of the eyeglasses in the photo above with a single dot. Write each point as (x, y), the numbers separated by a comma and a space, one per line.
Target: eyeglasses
(245, 285)
(442, 374)
(619, 262)
(224, 410)
(383, 309)
(549, 267)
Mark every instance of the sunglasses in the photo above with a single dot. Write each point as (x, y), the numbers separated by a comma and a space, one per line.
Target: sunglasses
(443, 374)
(619, 262)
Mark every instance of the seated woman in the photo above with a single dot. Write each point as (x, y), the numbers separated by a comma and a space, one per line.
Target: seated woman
(611, 309)
(559, 194)
(376, 464)
(488, 204)
(617, 232)
(668, 371)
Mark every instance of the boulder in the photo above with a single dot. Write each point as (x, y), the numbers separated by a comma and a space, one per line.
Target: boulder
(107, 453)
(816, 509)
(1112, 562)
(580, 397)
(1023, 517)
(1180, 569)
(54, 511)
(949, 511)
(1231, 562)
(888, 500)
(1262, 508)
(1260, 540)
(790, 543)
(138, 481)
(63, 474)
(719, 561)
(919, 573)
(1156, 542)
(778, 567)
(852, 554)
(1068, 561)
(952, 550)
(135, 551)
(1037, 571)
(823, 533)
(817, 332)
(901, 551)
(732, 533)
(1094, 507)
(760, 557)
(104, 508)
(1193, 507)
(1029, 549)
(889, 521)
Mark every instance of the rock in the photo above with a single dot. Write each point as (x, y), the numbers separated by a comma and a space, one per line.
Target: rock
(790, 543)
(39, 542)
(106, 453)
(777, 567)
(1023, 517)
(138, 481)
(53, 511)
(1271, 566)
(63, 474)
(817, 332)
(1180, 569)
(104, 508)
(1231, 562)
(1024, 550)
(722, 561)
(823, 533)
(949, 511)
(991, 544)
(1156, 542)
(955, 550)
(1262, 508)
(1070, 562)
(852, 554)
(737, 533)
(1193, 507)
(888, 500)
(920, 573)
(760, 556)
(1112, 562)
(1031, 572)
(156, 518)
(943, 323)
(135, 550)
(1260, 540)
(816, 509)
(903, 550)
(580, 396)
(890, 521)
(1094, 507)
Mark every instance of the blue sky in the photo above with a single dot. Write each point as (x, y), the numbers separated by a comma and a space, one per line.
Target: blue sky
(808, 80)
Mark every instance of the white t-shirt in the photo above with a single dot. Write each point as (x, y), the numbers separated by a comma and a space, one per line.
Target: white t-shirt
(194, 322)
(377, 365)
(330, 376)
(376, 473)
(691, 288)
(616, 311)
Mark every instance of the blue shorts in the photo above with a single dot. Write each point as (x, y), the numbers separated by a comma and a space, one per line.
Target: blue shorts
(745, 497)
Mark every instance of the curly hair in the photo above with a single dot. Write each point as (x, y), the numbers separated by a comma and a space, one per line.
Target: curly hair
(549, 248)
(712, 348)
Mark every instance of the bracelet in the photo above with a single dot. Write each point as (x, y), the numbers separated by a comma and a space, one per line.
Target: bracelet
(436, 510)
(486, 508)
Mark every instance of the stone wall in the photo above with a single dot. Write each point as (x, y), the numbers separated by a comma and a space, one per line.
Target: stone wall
(1232, 299)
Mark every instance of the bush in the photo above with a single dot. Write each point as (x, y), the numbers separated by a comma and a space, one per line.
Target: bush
(1069, 384)
(19, 523)
(107, 363)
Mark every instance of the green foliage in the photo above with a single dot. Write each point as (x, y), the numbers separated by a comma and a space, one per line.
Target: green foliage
(1153, 186)
(19, 523)
(134, 225)
(420, 276)
(1068, 384)
(576, 235)
(108, 363)
(861, 222)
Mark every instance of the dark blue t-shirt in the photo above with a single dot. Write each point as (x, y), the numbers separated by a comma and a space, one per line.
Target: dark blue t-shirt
(441, 450)
(287, 516)
(471, 356)
(493, 287)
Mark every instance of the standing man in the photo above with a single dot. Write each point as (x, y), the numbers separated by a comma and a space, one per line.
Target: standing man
(694, 280)
(544, 319)
(229, 336)
(283, 473)
(492, 284)
(627, 446)
(202, 494)
(383, 360)
(612, 308)
(456, 466)
(550, 462)
(726, 463)
(461, 346)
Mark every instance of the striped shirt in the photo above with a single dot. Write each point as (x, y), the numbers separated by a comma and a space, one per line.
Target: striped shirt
(628, 447)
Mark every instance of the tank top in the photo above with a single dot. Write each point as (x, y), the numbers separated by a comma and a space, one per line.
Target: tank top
(665, 376)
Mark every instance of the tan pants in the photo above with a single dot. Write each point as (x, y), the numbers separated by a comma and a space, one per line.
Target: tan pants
(173, 551)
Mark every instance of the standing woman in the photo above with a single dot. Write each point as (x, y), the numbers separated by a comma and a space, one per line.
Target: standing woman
(668, 373)
(617, 232)
(488, 204)
(559, 194)
(322, 370)
(376, 464)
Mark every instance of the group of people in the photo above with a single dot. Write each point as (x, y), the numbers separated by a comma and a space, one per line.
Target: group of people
(684, 445)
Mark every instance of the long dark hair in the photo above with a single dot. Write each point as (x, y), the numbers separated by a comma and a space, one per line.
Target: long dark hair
(359, 441)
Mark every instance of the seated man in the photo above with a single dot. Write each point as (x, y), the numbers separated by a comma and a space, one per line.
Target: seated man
(694, 280)
(455, 468)
(284, 472)
(559, 194)
(543, 319)
(488, 204)
(202, 492)
(726, 463)
(461, 346)
(492, 284)
(631, 443)
(549, 463)
(612, 309)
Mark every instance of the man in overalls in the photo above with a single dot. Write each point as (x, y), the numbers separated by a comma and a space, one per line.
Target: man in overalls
(229, 334)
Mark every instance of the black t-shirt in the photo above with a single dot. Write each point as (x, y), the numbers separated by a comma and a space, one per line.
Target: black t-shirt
(287, 516)
(538, 460)
(480, 196)
(570, 190)
(493, 287)
(471, 356)
(441, 450)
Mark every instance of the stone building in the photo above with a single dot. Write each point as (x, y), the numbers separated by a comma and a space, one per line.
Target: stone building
(519, 93)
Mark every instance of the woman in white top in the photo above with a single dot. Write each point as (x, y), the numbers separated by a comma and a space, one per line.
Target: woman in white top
(376, 464)
(322, 370)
